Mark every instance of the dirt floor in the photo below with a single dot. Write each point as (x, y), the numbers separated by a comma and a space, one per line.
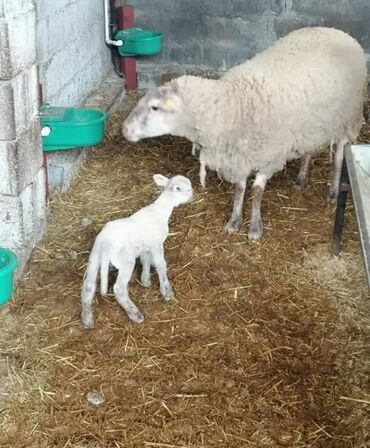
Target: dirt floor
(265, 345)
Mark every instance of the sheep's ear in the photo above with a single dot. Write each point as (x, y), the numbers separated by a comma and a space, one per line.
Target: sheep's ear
(160, 180)
(170, 97)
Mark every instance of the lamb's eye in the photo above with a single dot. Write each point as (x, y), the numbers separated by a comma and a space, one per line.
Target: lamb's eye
(177, 188)
(154, 107)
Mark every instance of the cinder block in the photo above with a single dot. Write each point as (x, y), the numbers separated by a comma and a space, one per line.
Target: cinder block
(11, 229)
(26, 100)
(18, 50)
(8, 177)
(7, 115)
(15, 8)
(29, 154)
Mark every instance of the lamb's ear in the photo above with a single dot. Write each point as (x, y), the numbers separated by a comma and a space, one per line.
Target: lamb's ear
(160, 180)
(170, 96)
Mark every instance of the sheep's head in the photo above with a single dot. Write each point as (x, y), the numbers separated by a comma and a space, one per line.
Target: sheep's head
(157, 113)
(178, 188)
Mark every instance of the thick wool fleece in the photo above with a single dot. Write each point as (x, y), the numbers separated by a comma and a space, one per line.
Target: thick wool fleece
(292, 99)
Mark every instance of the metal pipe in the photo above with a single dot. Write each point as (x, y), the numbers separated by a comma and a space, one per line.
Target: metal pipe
(108, 40)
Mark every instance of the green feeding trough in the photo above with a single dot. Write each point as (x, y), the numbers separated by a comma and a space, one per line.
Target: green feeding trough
(139, 42)
(64, 128)
(8, 263)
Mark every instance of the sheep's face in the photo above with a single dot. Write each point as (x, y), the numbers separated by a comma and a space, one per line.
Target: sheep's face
(155, 114)
(178, 187)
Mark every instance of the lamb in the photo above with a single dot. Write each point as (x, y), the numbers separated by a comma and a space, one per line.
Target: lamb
(122, 241)
(288, 102)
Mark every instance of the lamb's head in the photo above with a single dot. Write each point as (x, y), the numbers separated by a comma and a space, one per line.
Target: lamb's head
(159, 112)
(177, 189)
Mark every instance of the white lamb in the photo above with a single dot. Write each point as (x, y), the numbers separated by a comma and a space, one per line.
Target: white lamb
(122, 241)
(286, 103)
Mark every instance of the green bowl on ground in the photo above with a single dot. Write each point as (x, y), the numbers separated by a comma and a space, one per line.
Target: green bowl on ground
(8, 263)
(64, 128)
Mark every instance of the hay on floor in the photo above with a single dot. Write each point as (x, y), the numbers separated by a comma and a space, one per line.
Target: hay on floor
(265, 345)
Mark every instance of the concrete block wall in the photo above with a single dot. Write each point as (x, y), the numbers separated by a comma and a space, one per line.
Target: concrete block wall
(72, 54)
(22, 177)
(210, 36)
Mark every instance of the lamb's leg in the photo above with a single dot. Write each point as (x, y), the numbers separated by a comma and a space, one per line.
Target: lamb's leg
(236, 217)
(337, 168)
(301, 179)
(161, 268)
(88, 292)
(256, 225)
(121, 292)
(145, 260)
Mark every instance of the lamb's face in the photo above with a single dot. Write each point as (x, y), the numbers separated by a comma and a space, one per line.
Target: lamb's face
(178, 187)
(155, 114)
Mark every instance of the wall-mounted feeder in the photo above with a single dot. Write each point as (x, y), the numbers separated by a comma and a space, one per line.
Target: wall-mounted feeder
(138, 42)
(8, 263)
(64, 128)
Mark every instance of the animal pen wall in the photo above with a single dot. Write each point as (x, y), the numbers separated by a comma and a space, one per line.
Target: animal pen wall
(61, 45)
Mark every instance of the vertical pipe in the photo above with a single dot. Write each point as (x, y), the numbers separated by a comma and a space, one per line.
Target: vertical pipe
(128, 65)
(344, 188)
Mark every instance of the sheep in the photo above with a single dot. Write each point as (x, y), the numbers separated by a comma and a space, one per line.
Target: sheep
(286, 103)
(122, 241)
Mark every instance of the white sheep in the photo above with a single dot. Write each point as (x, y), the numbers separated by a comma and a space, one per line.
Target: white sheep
(122, 241)
(286, 103)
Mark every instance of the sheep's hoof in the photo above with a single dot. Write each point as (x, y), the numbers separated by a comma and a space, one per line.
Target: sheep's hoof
(255, 232)
(232, 225)
(332, 196)
(87, 321)
(299, 184)
(136, 316)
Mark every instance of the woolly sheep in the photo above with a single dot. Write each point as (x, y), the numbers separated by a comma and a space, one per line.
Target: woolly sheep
(122, 241)
(286, 103)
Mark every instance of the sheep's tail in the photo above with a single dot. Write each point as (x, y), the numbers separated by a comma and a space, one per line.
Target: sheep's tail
(104, 274)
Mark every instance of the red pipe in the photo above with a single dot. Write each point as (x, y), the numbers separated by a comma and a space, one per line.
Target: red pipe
(128, 65)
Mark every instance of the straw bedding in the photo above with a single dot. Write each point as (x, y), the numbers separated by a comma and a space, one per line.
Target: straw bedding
(265, 345)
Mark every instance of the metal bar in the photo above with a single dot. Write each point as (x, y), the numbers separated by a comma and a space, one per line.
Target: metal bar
(128, 65)
(44, 155)
(341, 207)
(358, 203)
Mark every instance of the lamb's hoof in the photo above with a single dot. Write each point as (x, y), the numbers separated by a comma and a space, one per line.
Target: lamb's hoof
(136, 316)
(332, 196)
(87, 321)
(232, 226)
(145, 282)
(255, 232)
(167, 293)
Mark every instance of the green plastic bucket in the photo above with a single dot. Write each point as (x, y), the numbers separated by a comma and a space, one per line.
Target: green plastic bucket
(139, 42)
(68, 127)
(8, 262)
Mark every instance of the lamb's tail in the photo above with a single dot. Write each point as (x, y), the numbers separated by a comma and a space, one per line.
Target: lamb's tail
(104, 274)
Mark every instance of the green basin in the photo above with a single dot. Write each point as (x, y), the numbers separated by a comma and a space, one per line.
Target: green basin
(139, 42)
(8, 262)
(68, 127)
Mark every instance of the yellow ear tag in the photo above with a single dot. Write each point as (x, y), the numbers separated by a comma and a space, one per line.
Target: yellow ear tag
(170, 103)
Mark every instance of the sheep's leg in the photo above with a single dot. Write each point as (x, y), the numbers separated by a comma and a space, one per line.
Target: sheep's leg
(236, 217)
(301, 179)
(256, 225)
(161, 267)
(338, 161)
(202, 174)
(121, 292)
(88, 292)
(145, 260)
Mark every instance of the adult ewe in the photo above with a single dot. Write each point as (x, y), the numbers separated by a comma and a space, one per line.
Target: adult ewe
(288, 102)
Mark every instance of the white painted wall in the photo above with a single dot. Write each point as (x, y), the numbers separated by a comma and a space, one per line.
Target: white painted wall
(72, 55)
